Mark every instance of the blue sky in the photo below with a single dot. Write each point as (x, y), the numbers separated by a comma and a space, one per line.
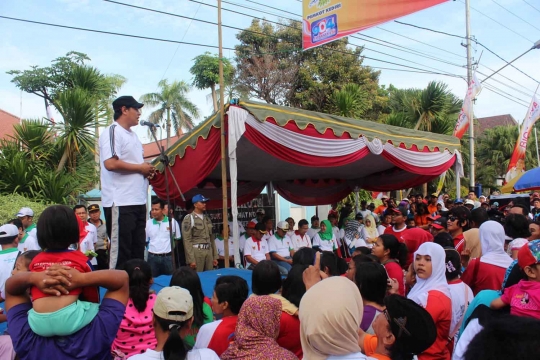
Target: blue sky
(144, 63)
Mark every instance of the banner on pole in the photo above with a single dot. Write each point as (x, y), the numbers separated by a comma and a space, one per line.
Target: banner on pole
(324, 21)
(466, 115)
(517, 161)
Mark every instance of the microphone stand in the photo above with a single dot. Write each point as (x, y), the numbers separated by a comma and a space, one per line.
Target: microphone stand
(165, 161)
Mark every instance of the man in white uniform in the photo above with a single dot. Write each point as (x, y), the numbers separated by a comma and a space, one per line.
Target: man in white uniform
(124, 183)
(9, 237)
(314, 227)
(256, 248)
(300, 237)
(281, 247)
(29, 240)
(159, 240)
(87, 245)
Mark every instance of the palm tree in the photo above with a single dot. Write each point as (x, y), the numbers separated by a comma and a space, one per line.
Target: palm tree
(493, 152)
(173, 103)
(351, 101)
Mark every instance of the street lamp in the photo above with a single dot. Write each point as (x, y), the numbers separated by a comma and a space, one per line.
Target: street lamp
(535, 46)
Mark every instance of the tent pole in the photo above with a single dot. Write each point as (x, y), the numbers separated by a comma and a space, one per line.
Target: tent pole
(223, 153)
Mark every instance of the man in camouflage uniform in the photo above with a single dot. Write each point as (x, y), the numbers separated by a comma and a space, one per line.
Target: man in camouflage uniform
(201, 253)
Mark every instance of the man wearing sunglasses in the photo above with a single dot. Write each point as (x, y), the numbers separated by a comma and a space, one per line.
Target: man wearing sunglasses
(457, 223)
(124, 183)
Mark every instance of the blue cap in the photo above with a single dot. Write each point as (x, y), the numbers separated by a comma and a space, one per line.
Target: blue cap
(199, 198)
(458, 201)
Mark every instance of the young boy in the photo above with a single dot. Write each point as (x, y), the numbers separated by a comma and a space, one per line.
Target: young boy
(52, 315)
(230, 293)
(524, 297)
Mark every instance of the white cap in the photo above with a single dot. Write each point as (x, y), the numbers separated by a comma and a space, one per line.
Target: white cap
(25, 211)
(174, 303)
(7, 231)
(283, 225)
(469, 202)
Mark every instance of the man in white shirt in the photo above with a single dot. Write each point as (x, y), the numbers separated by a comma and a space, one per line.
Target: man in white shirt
(159, 240)
(29, 240)
(300, 237)
(250, 230)
(124, 183)
(291, 222)
(281, 247)
(87, 245)
(314, 227)
(9, 237)
(256, 248)
(220, 247)
(259, 216)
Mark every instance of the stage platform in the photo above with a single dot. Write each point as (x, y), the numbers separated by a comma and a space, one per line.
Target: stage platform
(208, 280)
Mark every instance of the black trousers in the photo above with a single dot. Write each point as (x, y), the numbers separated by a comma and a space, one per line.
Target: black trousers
(102, 259)
(126, 229)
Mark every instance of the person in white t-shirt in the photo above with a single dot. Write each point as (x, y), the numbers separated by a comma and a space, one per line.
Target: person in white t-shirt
(269, 227)
(256, 248)
(281, 247)
(173, 317)
(325, 239)
(291, 222)
(124, 183)
(250, 230)
(9, 238)
(159, 240)
(29, 240)
(220, 247)
(259, 216)
(335, 229)
(314, 227)
(300, 237)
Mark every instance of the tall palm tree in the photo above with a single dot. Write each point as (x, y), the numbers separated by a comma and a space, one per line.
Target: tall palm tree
(173, 105)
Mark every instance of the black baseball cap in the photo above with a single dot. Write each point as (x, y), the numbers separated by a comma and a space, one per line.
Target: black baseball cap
(127, 101)
(261, 228)
(440, 223)
(410, 323)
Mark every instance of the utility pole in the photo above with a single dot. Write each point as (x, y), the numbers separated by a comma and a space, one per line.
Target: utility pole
(469, 79)
(223, 152)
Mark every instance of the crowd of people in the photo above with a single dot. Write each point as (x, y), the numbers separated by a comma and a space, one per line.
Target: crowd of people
(461, 284)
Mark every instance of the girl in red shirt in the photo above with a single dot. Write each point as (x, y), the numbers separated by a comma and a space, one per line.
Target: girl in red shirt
(431, 291)
(393, 255)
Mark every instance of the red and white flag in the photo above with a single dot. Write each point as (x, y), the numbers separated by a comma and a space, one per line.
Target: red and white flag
(517, 161)
(466, 114)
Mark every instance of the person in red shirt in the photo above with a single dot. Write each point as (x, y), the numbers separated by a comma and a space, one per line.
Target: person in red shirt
(393, 255)
(458, 222)
(487, 272)
(382, 208)
(399, 217)
(230, 293)
(432, 292)
(413, 238)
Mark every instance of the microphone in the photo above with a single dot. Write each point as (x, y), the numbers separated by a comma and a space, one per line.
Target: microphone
(148, 123)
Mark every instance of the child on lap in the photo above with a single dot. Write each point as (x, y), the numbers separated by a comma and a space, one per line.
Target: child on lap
(67, 314)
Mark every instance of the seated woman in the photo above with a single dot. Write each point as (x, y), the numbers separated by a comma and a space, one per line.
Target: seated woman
(257, 330)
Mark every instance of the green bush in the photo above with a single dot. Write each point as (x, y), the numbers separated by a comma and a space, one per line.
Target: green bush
(11, 204)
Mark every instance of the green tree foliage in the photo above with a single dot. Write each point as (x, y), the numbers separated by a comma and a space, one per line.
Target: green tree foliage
(493, 151)
(205, 71)
(174, 105)
(10, 205)
(273, 67)
(29, 161)
(351, 101)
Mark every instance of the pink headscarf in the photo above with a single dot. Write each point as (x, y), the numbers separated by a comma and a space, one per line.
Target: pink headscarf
(257, 330)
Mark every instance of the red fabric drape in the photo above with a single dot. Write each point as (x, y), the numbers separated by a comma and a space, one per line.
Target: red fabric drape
(436, 170)
(192, 168)
(295, 157)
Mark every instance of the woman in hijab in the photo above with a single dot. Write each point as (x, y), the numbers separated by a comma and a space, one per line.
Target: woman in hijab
(325, 240)
(431, 291)
(370, 232)
(257, 330)
(487, 272)
(329, 329)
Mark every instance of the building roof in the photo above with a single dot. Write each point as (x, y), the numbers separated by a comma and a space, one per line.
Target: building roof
(151, 150)
(485, 123)
(7, 121)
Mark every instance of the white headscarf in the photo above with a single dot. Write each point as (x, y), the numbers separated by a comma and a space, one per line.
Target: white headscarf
(492, 242)
(437, 280)
(442, 204)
